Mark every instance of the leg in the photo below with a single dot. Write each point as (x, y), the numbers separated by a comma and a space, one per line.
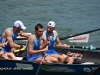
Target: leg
(50, 59)
(11, 55)
(59, 57)
(37, 60)
(47, 59)
(3, 55)
(67, 59)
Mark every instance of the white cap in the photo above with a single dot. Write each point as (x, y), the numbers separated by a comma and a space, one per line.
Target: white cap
(51, 23)
(19, 24)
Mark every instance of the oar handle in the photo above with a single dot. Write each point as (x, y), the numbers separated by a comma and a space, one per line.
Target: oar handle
(18, 50)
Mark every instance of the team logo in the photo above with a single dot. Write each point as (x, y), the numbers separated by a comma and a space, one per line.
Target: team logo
(86, 69)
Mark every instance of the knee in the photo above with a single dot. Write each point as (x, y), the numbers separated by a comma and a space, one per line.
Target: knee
(55, 60)
(70, 59)
(4, 56)
(61, 58)
(10, 53)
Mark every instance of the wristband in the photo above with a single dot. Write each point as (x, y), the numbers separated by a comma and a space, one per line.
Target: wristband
(21, 46)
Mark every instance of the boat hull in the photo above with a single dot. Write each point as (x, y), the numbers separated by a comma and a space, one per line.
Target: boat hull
(22, 67)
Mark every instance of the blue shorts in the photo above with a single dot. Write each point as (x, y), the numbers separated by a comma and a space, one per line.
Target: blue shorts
(6, 50)
(33, 58)
(50, 52)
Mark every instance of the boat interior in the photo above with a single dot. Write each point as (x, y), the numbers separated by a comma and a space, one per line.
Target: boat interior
(89, 57)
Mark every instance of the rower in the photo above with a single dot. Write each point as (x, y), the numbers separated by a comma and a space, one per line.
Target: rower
(7, 54)
(10, 35)
(53, 35)
(35, 47)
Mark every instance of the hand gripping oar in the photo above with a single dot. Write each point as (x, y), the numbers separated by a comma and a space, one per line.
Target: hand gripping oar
(40, 63)
(79, 34)
(86, 47)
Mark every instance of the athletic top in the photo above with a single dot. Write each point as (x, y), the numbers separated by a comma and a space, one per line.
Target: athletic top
(36, 47)
(7, 48)
(51, 46)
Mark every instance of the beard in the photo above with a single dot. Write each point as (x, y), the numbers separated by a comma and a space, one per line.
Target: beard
(49, 32)
(39, 35)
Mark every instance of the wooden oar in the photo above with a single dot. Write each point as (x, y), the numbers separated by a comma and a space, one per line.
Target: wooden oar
(86, 47)
(79, 34)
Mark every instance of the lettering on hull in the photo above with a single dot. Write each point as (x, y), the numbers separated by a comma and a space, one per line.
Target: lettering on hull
(58, 69)
(23, 67)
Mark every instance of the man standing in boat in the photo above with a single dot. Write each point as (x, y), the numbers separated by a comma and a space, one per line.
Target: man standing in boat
(36, 47)
(51, 32)
(9, 36)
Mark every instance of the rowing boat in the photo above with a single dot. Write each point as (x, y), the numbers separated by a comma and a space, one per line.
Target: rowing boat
(89, 62)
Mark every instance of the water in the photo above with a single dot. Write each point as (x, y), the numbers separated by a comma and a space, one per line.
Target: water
(71, 16)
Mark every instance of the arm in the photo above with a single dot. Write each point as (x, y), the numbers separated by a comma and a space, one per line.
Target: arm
(10, 40)
(44, 42)
(30, 45)
(24, 34)
(59, 44)
(3, 44)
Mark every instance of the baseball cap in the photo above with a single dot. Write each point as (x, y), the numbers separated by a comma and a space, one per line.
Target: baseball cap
(18, 23)
(51, 23)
